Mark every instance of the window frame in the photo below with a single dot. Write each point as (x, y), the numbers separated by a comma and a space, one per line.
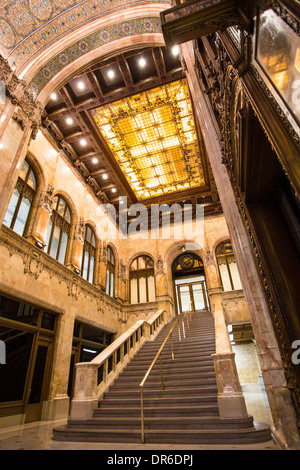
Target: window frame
(225, 255)
(24, 190)
(110, 268)
(90, 248)
(63, 224)
(141, 272)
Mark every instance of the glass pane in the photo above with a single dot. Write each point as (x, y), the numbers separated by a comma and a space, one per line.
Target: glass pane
(18, 311)
(13, 373)
(22, 217)
(48, 321)
(55, 202)
(91, 333)
(133, 291)
(134, 265)
(186, 301)
(107, 281)
(91, 273)
(225, 277)
(111, 284)
(141, 263)
(235, 276)
(198, 297)
(68, 216)
(142, 289)
(31, 180)
(11, 208)
(88, 233)
(61, 207)
(151, 289)
(38, 375)
(54, 242)
(63, 248)
(85, 264)
(87, 353)
(24, 170)
(48, 235)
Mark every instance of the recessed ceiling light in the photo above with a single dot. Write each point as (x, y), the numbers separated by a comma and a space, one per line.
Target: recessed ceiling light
(53, 96)
(83, 142)
(175, 50)
(111, 73)
(105, 176)
(142, 62)
(114, 190)
(95, 160)
(69, 121)
(81, 85)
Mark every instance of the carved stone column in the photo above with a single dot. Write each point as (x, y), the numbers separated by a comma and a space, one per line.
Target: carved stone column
(103, 266)
(57, 405)
(230, 396)
(285, 426)
(77, 248)
(43, 215)
(122, 281)
(20, 120)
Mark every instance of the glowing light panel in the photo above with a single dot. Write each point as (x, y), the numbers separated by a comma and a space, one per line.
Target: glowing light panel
(152, 135)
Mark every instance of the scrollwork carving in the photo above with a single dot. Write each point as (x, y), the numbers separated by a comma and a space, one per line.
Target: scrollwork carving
(46, 199)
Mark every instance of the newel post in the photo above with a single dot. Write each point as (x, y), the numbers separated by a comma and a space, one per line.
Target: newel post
(85, 398)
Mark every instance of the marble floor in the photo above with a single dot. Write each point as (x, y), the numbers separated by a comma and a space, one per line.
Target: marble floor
(38, 436)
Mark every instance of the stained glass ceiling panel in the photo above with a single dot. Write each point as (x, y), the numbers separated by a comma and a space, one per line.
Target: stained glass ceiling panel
(153, 138)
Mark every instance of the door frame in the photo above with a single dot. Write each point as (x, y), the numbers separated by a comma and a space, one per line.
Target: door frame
(190, 284)
(33, 411)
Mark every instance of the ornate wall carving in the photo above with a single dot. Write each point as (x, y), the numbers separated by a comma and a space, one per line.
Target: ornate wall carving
(36, 262)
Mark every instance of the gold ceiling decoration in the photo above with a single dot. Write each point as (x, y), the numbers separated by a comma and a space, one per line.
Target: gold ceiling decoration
(152, 136)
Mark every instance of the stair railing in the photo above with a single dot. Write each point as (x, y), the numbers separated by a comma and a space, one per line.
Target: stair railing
(158, 356)
(93, 379)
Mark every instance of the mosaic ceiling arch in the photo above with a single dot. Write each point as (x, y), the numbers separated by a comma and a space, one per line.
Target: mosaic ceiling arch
(27, 27)
(93, 41)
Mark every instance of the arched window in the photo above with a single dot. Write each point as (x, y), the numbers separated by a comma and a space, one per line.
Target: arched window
(227, 266)
(110, 272)
(59, 230)
(17, 214)
(88, 255)
(142, 286)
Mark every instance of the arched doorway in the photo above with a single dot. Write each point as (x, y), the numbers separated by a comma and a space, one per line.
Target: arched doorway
(189, 284)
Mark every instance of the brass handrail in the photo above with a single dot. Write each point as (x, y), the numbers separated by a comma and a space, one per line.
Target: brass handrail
(158, 355)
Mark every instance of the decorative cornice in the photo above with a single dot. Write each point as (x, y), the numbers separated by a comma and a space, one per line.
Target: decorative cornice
(37, 262)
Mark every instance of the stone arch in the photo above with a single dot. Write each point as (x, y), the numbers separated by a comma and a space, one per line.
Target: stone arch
(112, 33)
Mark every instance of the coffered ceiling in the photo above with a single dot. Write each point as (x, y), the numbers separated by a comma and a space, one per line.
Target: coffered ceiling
(126, 124)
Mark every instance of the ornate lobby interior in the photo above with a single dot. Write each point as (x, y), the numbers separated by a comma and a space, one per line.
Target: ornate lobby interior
(150, 229)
